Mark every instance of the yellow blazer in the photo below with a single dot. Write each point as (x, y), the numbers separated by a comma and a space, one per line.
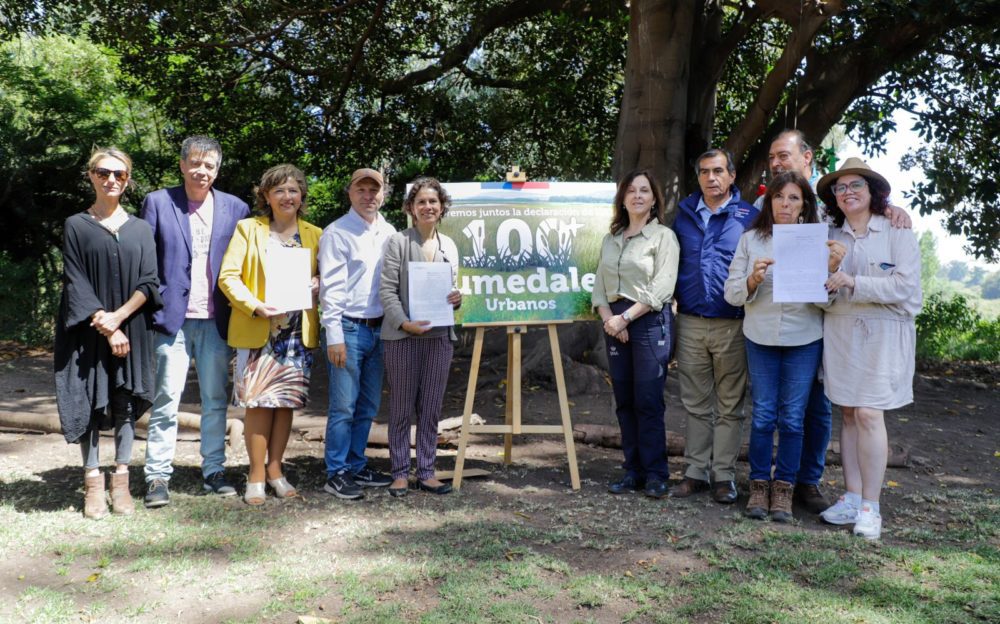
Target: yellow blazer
(241, 279)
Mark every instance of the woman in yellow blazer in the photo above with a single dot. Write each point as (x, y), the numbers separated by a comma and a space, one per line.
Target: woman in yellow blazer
(273, 356)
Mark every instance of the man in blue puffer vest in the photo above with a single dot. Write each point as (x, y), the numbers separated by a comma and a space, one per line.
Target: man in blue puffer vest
(711, 361)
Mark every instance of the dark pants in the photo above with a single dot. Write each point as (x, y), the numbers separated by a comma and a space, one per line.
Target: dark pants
(638, 371)
(816, 436)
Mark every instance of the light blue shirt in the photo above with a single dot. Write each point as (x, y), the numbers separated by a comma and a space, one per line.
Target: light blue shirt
(705, 212)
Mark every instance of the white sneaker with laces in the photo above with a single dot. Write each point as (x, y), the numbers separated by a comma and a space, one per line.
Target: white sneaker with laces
(840, 513)
(869, 524)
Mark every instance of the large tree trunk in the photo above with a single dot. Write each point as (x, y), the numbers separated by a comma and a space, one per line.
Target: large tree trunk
(653, 121)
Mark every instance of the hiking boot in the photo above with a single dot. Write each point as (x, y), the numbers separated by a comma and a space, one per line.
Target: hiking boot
(760, 499)
(869, 523)
(366, 477)
(121, 498)
(216, 484)
(95, 506)
(840, 513)
(342, 485)
(809, 496)
(628, 482)
(157, 494)
(781, 501)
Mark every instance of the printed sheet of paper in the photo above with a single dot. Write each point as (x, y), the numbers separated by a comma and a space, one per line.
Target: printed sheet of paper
(430, 283)
(800, 263)
(287, 279)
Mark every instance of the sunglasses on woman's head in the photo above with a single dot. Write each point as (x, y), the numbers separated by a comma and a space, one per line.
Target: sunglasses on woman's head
(120, 174)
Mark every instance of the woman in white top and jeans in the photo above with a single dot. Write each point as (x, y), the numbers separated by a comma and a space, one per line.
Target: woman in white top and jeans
(784, 347)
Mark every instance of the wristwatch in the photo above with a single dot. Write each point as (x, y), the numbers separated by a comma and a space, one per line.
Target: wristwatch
(626, 317)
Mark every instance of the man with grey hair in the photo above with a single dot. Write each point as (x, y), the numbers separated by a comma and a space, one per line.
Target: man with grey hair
(192, 224)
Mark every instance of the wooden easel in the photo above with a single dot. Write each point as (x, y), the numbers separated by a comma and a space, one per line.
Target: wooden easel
(512, 422)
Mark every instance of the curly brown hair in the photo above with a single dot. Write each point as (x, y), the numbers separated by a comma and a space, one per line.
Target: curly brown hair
(276, 176)
(764, 223)
(422, 183)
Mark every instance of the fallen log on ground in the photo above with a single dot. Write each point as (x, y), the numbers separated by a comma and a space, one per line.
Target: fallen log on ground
(49, 423)
(608, 436)
(449, 429)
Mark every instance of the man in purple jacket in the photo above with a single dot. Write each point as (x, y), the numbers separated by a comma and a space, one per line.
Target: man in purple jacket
(192, 225)
(711, 362)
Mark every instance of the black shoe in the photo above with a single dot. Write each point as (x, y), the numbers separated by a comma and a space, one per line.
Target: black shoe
(398, 492)
(724, 492)
(342, 485)
(656, 489)
(628, 482)
(444, 488)
(216, 484)
(366, 477)
(809, 496)
(158, 494)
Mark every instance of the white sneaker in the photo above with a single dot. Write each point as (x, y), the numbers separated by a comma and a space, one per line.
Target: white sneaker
(840, 512)
(869, 524)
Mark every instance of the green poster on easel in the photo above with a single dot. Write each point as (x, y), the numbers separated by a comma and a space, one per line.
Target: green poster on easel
(528, 250)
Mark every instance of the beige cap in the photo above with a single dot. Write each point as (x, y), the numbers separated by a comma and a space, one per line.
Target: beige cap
(363, 173)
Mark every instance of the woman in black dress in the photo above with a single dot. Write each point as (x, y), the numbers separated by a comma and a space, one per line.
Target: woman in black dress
(104, 334)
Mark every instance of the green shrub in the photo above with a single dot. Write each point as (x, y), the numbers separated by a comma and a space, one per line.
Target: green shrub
(950, 329)
(29, 299)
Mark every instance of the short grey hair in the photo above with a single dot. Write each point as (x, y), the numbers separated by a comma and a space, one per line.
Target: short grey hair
(200, 144)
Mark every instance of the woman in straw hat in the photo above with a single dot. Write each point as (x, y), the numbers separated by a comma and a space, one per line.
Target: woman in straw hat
(869, 335)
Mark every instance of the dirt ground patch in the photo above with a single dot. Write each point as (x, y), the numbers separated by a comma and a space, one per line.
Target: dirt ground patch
(559, 555)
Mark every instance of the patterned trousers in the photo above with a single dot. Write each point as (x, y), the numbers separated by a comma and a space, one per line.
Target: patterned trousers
(417, 373)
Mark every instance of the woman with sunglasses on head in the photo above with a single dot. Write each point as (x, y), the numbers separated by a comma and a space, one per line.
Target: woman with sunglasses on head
(273, 346)
(417, 356)
(869, 335)
(104, 333)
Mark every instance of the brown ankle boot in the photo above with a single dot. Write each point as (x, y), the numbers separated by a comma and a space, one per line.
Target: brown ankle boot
(760, 499)
(95, 506)
(781, 501)
(121, 498)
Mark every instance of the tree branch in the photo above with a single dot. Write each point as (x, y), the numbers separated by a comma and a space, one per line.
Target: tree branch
(359, 49)
(488, 22)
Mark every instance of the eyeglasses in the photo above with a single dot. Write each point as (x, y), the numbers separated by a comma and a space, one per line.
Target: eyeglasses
(857, 185)
(120, 174)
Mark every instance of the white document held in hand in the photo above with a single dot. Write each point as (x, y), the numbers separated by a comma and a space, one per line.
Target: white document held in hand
(429, 285)
(800, 263)
(287, 283)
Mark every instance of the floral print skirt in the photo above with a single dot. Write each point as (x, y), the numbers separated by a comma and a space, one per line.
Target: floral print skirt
(277, 374)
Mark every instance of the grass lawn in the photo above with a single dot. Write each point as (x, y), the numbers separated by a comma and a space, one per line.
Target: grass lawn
(492, 553)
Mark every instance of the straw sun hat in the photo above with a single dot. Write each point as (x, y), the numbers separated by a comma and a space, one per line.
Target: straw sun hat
(852, 165)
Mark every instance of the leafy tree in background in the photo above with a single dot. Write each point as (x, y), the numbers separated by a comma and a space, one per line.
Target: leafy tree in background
(991, 286)
(572, 89)
(929, 264)
(58, 100)
(956, 270)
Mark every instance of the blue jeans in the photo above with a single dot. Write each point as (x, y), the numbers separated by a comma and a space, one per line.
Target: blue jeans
(355, 395)
(781, 379)
(638, 371)
(816, 437)
(200, 339)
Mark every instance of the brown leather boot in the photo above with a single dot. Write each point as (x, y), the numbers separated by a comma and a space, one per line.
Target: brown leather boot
(95, 506)
(781, 501)
(760, 499)
(121, 498)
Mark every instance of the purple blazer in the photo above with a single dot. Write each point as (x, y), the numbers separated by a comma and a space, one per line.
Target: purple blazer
(167, 213)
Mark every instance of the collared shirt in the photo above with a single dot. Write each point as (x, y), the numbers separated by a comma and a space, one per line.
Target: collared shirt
(350, 263)
(885, 263)
(200, 217)
(641, 269)
(766, 322)
(705, 212)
